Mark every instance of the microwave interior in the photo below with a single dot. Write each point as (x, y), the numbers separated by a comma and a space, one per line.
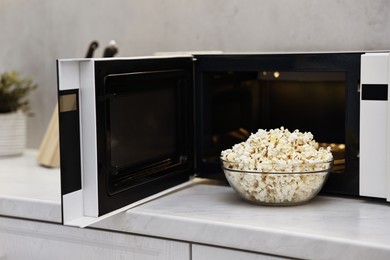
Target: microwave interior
(240, 103)
(311, 93)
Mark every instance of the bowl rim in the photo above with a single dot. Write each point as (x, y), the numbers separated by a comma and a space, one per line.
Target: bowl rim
(330, 164)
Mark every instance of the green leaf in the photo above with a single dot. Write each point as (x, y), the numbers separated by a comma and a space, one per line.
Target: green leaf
(13, 91)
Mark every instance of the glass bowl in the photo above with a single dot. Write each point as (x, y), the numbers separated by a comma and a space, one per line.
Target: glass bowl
(277, 184)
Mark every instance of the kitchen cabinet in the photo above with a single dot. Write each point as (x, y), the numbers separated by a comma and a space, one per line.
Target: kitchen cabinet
(201, 252)
(25, 239)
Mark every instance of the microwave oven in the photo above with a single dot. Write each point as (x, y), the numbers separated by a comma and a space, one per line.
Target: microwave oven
(134, 127)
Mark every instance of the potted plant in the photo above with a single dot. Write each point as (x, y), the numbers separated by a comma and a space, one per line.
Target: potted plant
(13, 109)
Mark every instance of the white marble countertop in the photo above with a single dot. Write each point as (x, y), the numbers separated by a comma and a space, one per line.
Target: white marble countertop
(325, 228)
(28, 190)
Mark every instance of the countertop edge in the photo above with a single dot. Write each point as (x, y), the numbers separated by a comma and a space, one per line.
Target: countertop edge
(260, 240)
(33, 209)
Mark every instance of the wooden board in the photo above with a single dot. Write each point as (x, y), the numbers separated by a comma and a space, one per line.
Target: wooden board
(49, 153)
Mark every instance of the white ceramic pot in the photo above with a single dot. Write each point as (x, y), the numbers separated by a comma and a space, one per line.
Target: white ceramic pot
(12, 133)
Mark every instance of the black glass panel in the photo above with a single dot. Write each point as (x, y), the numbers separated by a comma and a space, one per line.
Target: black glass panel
(144, 121)
(145, 133)
(143, 126)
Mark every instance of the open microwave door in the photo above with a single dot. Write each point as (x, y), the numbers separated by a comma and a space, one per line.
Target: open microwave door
(125, 128)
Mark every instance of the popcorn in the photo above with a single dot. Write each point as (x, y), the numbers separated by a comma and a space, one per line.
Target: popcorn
(265, 167)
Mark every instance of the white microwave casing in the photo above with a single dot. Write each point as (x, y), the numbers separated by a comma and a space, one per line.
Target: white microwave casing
(374, 168)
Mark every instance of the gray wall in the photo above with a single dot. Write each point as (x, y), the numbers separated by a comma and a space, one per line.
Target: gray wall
(33, 34)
